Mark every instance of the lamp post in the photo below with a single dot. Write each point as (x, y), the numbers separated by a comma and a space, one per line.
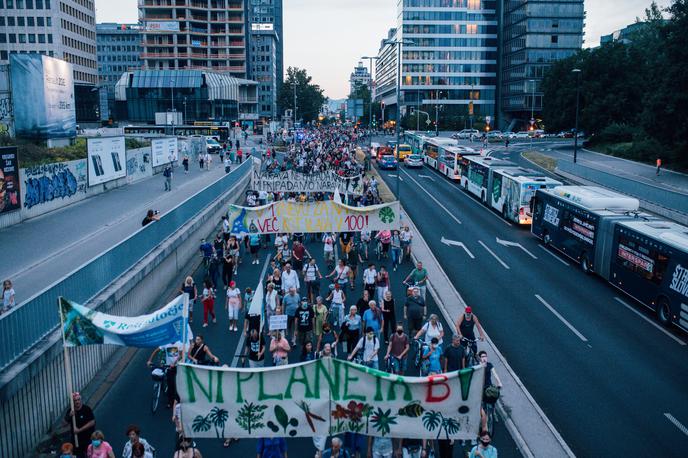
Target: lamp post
(370, 115)
(398, 44)
(437, 110)
(294, 85)
(577, 72)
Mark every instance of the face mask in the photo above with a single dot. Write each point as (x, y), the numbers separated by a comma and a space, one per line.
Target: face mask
(400, 331)
(485, 443)
(370, 336)
(95, 443)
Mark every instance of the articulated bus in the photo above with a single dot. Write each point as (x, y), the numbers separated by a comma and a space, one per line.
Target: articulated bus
(478, 178)
(513, 188)
(452, 161)
(432, 149)
(642, 255)
(416, 140)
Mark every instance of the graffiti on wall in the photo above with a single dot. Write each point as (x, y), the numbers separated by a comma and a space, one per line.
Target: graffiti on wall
(47, 182)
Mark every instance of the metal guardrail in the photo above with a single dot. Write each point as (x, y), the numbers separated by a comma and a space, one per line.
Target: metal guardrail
(663, 197)
(24, 326)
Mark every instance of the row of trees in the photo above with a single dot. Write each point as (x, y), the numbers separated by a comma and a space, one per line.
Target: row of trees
(634, 94)
(299, 88)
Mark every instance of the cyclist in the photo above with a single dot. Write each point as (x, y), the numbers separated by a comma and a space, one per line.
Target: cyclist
(489, 395)
(466, 325)
(207, 250)
(172, 354)
(370, 345)
(397, 350)
(420, 278)
(484, 449)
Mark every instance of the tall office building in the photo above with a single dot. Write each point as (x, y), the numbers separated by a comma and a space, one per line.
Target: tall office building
(453, 59)
(65, 29)
(385, 85)
(266, 52)
(118, 49)
(535, 33)
(359, 77)
(194, 34)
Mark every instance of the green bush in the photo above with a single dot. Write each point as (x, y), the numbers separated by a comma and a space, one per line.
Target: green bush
(615, 133)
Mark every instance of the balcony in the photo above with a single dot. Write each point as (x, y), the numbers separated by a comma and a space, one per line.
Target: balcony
(159, 17)
(157, 3)
(236, 44)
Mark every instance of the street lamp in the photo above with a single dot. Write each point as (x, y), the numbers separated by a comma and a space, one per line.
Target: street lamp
(577, 72)
(437, 109)
(370, 115)
(398, 44)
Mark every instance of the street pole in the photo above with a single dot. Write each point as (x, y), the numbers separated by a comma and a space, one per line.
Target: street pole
(417, 111)
(532, 110)
(577, 71)
(370, 115)
(174, 112)
(437, 111)
(396, 124)
(294, 84)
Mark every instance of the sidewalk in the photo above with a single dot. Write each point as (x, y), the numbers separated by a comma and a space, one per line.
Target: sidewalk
(42, 250)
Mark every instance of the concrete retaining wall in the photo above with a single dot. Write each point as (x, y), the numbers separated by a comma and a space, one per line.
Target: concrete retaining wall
(33, 391)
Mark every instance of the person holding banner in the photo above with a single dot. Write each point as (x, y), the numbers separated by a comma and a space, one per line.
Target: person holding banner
(369, 344)
(279, 347)
(82, 423)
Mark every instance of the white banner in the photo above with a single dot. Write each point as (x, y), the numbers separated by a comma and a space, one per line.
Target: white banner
(167, 26)
(292, 181)
(106, 159)
(327, 397)
(164, 150)
(278, 322)
(327, 216)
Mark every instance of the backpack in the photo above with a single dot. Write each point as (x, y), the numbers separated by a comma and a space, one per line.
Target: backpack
(167, 172)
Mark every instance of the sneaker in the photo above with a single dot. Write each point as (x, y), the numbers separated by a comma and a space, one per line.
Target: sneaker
(214, 320)
(205, 325)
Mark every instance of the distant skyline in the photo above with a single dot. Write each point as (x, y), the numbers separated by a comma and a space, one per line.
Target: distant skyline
(328, 37)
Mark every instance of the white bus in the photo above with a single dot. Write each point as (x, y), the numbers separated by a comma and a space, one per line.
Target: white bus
(452, 161)
(478, 178)
(512, 190)
(432, 149)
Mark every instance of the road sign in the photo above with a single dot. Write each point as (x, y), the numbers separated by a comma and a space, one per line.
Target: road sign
(488, 119)
(427, 121)
(532, 121)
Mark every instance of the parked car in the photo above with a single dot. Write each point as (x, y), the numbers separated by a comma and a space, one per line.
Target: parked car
(538, 133)
(495, 135)
(466, 134)
(414, 161)
(521, 134)
(565, 134)
(212, 145)
(387, 162)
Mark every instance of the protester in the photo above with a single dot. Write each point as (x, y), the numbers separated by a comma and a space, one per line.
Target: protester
(255, 348)
(388, 314)
(82, 424)
(398, 348)
(484, 449)
(373, 318)
(369, 344)
(233, 305)
(208, 301)
(167, 173)
(201, 354)
(186, 448)
(99, 448)
(134, 434)
(336, 450)
(271, 448)
(415, 311)
(189, 287)
(337, 299)
(279, 347)
(419, 275)
(351, 328)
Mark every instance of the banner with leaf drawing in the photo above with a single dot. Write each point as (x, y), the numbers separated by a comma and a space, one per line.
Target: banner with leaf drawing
(325, 397)
(327, 216)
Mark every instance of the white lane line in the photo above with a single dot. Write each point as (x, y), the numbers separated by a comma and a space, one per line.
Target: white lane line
(676, 423)
(427, 176)
(517, 245)
(242, 337)
(433, 198)
(396, 176)
(548, 251)
(563, 320)
(494, 255)
(632, 309)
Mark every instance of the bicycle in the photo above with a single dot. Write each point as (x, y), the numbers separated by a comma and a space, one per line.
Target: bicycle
(469, 354)
(393, 365)
(159, 375)
(489, 408)
(423, 365)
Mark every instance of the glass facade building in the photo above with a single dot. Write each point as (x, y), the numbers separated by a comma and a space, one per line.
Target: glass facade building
(266, 62)
(118, 49)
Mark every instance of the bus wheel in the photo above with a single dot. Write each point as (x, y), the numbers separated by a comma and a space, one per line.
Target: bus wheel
(585, 264)
(546, 238)
(663, 311)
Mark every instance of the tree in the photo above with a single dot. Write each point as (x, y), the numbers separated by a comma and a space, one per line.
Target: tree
(309, 96)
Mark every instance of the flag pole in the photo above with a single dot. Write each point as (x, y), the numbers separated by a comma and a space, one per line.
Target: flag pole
(68, 372)
(185, 324)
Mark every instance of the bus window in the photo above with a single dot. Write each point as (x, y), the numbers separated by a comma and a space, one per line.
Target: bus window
(497, 186)
(649, 264)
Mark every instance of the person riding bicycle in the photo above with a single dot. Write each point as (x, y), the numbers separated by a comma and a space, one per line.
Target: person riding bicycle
(172, 354)
(385, 239)
(397, 350)
(207, 250)
(370, 345)
(431, 328)
(466, 328)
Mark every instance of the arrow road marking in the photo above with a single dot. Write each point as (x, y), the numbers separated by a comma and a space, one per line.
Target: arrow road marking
(455, 243)
(507, 243)
(494, 255)
(622, 302)
(676, 423)
(563, 320)
(427, 176)
(395, 176)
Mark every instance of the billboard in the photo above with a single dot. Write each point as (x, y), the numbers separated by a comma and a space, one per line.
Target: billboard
(49, 84)
(9, 180)
(164, 150)
(163, 26)
(262, 27)
(106, 159)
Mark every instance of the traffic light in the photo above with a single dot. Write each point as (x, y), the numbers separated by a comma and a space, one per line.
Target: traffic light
(412, 110)
(487, 128)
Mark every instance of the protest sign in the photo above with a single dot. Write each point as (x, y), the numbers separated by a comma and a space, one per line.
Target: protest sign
(308, 217)
(85, 326)
(278, 322)
(327, 397)
(293, 181)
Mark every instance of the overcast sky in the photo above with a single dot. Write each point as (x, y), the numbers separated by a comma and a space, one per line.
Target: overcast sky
(328, 37)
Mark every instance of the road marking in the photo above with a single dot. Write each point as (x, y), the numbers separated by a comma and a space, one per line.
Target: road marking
(427, 176)
(433, 198)
(563, 320)
(632, 309)
(395, 176)
(242, 337)
(553, 255)
(455, 243)
(676, 423)
(494, 255)
(507, 243)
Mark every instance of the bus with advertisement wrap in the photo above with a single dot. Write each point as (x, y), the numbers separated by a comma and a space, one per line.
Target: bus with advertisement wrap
(478, 176)
(432, 148)
(512, 190)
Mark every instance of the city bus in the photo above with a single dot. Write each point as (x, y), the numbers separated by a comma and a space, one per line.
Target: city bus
(220, 133)
(477, 179)
(649, 262)
(452, 160)
(513, 188)
(431, 149)
(577, 221)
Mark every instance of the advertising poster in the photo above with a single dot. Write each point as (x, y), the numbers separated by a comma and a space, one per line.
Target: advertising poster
(106, 159)
(165, 150)
(9, 180)
(327, 216)
(48, 82)
(163, 26)
(85, 326)
(327, 397)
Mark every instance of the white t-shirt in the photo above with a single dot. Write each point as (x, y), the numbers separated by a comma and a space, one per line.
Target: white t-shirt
(405, 236)
(432, 331)
(234, 296)
(7, 297)
(342, 273)
(172, 352)
(337, 296)
(290, 280)
(368, 346)
(328, 240)
(226, 228)
(369, 276)
(310, 271)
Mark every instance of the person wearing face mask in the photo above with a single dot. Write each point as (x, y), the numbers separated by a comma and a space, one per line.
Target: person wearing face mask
(484, 449)
(98, 448)
(370, 345)
(433, 355)
(397, 350)
(67, 450)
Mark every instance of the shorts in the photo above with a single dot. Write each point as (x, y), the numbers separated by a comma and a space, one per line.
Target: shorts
(254, 249)
(297, 264)
(233, 313)
(415, 323)
(405, 244)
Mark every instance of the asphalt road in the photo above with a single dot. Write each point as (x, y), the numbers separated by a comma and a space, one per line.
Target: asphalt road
(128, 400)
(611, 382)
